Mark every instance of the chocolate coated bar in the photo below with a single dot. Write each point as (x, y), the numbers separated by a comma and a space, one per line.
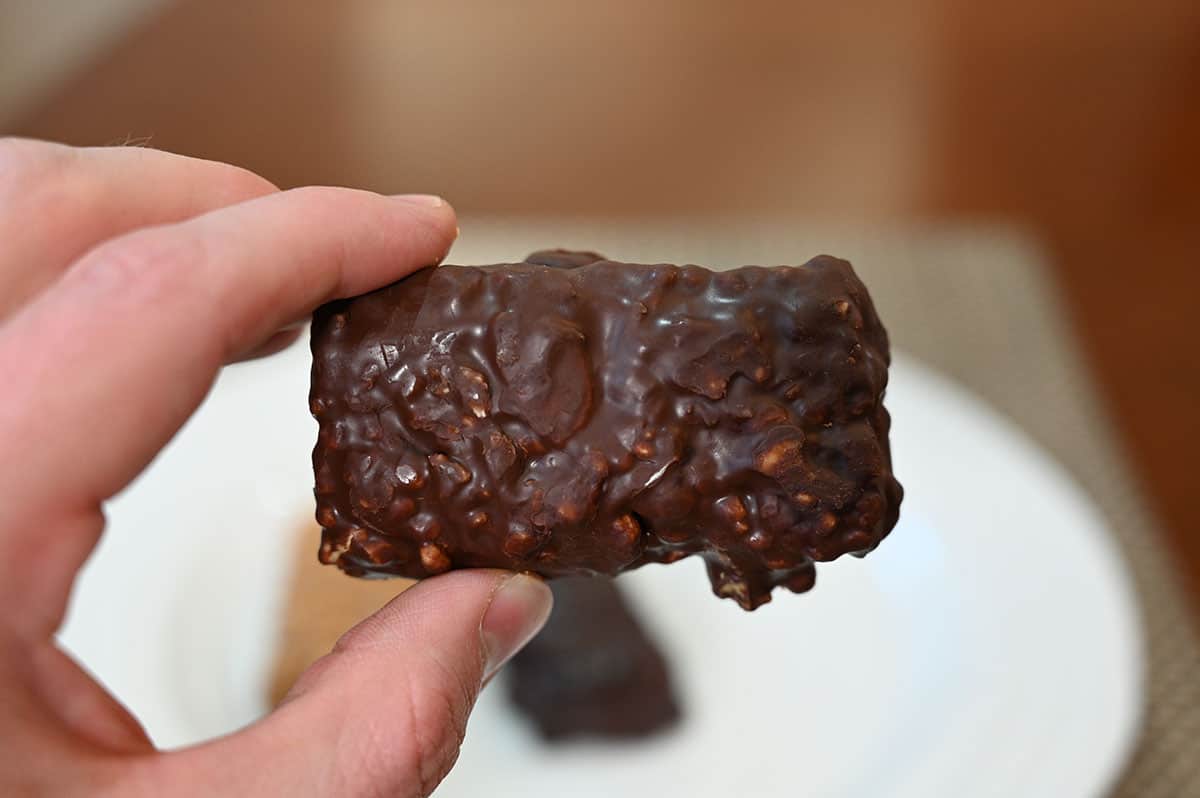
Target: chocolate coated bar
(580, 416)
(592, 670)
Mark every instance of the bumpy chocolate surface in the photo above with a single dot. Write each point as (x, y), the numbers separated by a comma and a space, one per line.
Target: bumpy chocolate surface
(580, 416)
(592, 670)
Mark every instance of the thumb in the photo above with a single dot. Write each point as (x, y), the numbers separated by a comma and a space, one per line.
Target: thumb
(385, 712)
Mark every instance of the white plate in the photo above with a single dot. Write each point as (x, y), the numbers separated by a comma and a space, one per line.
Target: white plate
(989, 647)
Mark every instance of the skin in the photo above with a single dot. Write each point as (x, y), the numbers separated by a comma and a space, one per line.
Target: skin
(128, 278)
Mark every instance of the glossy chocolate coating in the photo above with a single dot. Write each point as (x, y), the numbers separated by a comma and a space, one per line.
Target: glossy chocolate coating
(592, 670)
(588, 417)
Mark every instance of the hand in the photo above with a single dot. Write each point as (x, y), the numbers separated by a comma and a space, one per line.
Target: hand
(128, 277)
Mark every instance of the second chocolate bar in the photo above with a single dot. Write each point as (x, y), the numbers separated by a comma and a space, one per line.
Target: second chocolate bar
(593, 419)
(592, 670)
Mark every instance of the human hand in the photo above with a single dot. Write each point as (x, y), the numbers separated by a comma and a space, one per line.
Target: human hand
(128, 277)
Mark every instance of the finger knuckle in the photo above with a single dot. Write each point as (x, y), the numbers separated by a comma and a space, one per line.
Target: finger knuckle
(142, 265)
(439, 709)
(411, 757)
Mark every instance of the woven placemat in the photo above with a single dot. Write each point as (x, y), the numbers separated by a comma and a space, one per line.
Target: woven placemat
(975, 302)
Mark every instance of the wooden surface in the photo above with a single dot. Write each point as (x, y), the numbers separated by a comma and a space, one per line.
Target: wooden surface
(320, 605)
(1091, 133)
(1077, 119)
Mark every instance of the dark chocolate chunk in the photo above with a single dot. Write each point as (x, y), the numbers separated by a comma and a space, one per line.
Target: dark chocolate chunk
(592, 671)
(588, 417)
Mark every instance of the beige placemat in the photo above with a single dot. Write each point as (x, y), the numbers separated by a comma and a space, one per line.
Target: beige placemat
(976, 303)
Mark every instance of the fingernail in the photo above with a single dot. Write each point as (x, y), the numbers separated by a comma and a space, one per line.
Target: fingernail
(518, 610)
(428, 200)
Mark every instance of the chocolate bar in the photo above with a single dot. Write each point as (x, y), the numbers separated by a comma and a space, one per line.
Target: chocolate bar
(592, 670)
(578, 416)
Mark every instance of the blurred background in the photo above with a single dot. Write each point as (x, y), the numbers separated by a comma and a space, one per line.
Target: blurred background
(1077, 120)
(1076, 123)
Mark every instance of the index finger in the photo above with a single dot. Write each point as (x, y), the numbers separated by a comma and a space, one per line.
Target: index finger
(106, 366)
